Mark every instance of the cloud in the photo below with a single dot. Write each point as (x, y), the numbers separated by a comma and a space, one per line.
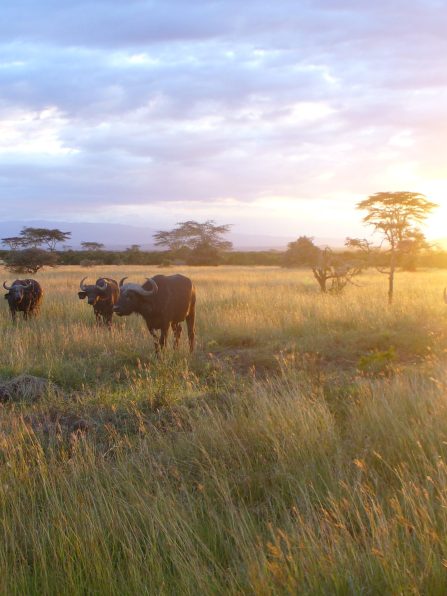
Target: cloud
(106, 103)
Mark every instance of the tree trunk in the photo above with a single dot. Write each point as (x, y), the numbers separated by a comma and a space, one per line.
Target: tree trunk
(321, 279)
(391, 277)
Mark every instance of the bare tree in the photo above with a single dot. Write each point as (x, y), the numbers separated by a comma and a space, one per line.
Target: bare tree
(331, 271)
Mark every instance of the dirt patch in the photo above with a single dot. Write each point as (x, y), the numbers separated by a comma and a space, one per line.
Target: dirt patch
(253, 362)
(26, 388)
(57, 423)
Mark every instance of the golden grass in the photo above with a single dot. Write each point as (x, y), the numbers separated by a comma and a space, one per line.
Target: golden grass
(268, 462)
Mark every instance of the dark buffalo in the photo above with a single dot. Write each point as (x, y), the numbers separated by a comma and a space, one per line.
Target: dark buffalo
(102, 295)
(163, 301)
(25, 295)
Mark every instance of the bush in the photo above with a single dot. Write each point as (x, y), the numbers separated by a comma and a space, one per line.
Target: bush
(378, 363)
(29, 260)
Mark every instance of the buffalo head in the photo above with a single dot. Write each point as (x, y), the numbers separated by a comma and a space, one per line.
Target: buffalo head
(92, 292)
(17, 292)
(133, 295)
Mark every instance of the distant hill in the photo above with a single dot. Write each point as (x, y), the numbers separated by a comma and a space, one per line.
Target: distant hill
(120, 236)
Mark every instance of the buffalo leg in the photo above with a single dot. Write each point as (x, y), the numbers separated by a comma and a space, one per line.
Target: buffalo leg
(164, 336)
(156, 340)
(190, 324)
(177, 329)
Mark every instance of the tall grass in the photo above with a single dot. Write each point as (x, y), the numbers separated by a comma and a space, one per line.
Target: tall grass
(267, 463)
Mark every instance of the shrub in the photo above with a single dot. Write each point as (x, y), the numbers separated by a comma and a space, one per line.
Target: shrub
(29, 260)
(378, 363)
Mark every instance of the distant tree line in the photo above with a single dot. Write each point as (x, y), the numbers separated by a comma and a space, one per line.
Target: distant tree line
(394, 216)
(190, 243)
(142, 257)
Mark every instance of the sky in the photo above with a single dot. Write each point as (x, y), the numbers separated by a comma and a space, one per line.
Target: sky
(274, 117)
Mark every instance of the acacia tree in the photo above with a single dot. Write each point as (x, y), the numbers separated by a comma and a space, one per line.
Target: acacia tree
(203, 241)
(36, 237)
(394, 215)
(94, 246)
(44, 237)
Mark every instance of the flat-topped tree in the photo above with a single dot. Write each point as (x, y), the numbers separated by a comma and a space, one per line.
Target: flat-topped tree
(202, 241)
(94, 246)
(43, 237)
(394, 215)
(36, 237)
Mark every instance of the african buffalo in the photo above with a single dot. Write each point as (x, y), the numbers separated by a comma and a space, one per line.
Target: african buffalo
(25, 295)
(102, 296)
(163, 301)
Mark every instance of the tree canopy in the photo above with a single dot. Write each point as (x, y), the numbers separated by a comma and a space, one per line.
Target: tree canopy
(192, 234)
(35, 237)
(395, 213)
(301, 252)
(94, 246)
(198, 243)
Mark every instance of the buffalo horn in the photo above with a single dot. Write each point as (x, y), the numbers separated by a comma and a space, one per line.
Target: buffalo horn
(122, 280)
(154, 287)
(103, 285)
(81, 285)
(145, 293)
(6, 287)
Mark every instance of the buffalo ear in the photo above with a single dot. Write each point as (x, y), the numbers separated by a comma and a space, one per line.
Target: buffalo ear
(6, 296)
(82, 295)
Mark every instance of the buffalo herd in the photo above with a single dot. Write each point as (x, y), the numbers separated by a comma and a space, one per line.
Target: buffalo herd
(164, 301)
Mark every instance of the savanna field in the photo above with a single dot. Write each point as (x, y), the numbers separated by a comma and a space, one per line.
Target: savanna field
(301, 449)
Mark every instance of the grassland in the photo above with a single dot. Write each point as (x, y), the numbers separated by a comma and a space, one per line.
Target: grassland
(302, 449)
